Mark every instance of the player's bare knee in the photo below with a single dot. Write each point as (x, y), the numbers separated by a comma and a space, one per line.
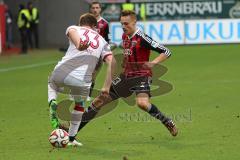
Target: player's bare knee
(142, 104)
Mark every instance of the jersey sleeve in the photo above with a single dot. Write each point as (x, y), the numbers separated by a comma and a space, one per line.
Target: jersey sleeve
(70, 27)
(106, 51)
(106, 36)
(149, 43)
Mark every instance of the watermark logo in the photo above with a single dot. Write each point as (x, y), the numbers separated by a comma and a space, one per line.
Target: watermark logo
(143, 117)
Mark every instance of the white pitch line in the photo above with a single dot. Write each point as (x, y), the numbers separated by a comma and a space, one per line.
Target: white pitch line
(26, 66)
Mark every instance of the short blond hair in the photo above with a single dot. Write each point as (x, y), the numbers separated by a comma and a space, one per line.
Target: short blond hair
(131, 13)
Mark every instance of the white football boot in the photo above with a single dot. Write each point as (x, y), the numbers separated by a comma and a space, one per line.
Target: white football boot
(75, 143)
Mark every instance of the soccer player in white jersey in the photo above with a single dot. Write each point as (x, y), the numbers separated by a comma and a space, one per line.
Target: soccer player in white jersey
(73, 74)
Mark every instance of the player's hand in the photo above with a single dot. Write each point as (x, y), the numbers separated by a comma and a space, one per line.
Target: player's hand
(148, 65)
(105, 91)
(83, 45)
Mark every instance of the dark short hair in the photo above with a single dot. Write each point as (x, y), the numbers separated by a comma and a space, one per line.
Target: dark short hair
(128, 13)
(95, 2)
(88, 19)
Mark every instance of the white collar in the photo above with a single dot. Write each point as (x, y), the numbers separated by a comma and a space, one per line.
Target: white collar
(134, 33)
(99, 19)
(88, 28)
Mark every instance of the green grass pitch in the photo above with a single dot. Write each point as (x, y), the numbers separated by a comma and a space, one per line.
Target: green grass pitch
(204, 103)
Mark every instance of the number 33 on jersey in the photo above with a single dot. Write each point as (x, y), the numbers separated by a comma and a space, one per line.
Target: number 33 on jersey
(98, 46)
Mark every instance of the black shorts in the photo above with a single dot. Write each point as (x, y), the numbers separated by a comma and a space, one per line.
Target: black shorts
(123, 86)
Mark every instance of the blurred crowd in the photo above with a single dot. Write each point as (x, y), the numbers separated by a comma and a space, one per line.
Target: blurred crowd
(27, 23)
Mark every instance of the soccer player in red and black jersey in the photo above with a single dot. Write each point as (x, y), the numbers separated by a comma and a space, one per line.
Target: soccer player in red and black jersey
(102, 24)
(136, 74)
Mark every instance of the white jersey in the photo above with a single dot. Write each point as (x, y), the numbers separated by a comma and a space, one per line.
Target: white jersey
(81, 64)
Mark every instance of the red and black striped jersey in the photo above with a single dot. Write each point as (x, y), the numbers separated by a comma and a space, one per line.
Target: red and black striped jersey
(103, 28)
(136, 50)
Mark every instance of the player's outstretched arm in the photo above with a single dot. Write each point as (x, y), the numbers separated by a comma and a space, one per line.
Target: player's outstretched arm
(111, 63)
(151, 44)
(75, 38)
(162, 57)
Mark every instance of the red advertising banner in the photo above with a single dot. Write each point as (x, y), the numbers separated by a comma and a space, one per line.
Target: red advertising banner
(2, 25)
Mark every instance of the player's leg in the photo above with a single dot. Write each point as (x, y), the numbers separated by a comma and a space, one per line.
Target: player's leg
(118, 89)
(52, 101)
(94, 108)
(86, 117)
(76, 117)
(143, 102)
(79, 93)
(55, 86)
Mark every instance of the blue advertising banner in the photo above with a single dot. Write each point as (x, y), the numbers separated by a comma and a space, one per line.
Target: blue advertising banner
(178, 9)
(186, 31)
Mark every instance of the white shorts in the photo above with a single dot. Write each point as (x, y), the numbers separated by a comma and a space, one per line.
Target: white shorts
(69, 85)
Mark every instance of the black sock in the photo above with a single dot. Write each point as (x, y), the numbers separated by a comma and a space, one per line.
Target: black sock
(52, 102)
(155, 112)
(91, 89)
(71, 138)
(88, 116)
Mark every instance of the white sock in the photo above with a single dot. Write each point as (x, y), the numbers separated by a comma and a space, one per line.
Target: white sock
(76, 118)
(52, 93)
